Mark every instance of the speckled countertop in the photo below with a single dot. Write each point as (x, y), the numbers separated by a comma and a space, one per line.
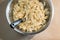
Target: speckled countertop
(51, 33)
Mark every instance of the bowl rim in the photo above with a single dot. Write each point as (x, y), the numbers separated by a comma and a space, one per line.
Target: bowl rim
(7, 17)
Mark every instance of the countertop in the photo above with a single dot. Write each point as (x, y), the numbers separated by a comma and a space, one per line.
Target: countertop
(51, 33)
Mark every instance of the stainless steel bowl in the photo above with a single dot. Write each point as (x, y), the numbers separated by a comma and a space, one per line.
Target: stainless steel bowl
(8, 11)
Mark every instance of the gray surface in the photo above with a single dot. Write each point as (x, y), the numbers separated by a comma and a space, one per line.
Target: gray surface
(7, 33)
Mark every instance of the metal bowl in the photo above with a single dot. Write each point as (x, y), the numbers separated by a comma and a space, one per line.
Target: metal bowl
(8, 12)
